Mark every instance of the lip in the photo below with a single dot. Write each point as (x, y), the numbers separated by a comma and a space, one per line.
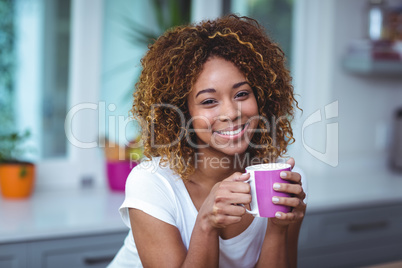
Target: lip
(236, 136)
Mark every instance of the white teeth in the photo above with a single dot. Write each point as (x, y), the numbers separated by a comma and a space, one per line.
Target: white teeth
(230, 133)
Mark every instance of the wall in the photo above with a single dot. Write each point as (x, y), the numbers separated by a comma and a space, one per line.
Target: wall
(365, 105)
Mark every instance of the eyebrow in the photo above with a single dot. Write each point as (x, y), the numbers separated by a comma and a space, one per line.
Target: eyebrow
(237, 85)
(212, 90)
(208, 90)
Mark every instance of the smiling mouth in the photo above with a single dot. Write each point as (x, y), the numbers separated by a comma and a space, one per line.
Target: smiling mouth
(232, 132)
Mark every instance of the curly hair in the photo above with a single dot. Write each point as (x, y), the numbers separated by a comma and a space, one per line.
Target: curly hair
(171, 67)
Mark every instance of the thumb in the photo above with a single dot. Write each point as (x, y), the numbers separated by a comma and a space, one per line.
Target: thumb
(291, 162)
(242, 177)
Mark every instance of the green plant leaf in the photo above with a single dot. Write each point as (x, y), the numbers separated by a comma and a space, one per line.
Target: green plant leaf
(11, 145)
(138, 34)
(158, 9)
(174, 8)
(23, 171)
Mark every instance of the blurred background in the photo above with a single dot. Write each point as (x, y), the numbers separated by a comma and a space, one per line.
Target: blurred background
(67, 74)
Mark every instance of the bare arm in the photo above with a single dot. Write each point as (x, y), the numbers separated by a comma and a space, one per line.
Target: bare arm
(281, 240)
(293, 239)
(280, 246)
(160, 244)
(274, 252)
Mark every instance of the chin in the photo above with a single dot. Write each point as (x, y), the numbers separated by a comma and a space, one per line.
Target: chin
(233, 150)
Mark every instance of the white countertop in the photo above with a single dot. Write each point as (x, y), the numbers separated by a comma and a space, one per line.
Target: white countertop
(342, 189)
(55, 214)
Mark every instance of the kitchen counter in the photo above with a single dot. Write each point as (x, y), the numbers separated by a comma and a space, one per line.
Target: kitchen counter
(339, 189)
(58, 214)
(77, 228)
(67, 213)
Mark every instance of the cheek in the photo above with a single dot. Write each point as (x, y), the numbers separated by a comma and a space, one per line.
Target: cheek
(201, 120)
(251, 108)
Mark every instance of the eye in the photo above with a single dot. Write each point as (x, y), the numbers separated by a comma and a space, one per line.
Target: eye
(242, 94)
(208, 102)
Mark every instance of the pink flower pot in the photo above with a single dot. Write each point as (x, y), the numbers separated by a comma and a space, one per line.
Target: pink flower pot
(117, 172)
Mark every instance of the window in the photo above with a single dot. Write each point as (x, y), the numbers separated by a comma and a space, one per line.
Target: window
(56, 65)
(57, 60)
(275, 15)
(59, 64)
(40, 91)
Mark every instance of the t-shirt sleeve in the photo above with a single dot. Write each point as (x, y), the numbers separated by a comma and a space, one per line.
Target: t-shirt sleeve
(151, 193)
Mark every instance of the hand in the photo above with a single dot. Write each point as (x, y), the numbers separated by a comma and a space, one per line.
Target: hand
(296, 201)
(221, 208)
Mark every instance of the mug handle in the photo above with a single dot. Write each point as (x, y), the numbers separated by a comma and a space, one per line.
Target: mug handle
(253, 204)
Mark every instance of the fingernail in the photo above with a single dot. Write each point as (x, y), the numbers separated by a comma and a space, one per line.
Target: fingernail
(277, 186)
(277, 214)
(275, 199)
(283, 174)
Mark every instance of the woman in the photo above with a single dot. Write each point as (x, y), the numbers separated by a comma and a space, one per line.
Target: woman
(212, 99)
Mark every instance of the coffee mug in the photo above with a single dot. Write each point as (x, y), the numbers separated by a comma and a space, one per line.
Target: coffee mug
(262, 179)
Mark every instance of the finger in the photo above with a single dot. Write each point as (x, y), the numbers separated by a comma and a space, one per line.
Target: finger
(234, 210)
(243, 177)
(289, 216)
(291, 176)
(237, 176)
(241, 198)
(285, 216)
(233, 205)
(228, 210)
(287, 201)
(221, 221)
(290, 188)
(226, 187)
(291, 162)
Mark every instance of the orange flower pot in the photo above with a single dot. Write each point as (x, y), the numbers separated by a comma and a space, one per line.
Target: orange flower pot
(17, 179)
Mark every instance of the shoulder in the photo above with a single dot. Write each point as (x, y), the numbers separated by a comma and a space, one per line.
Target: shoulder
(148, 166)
(149, 174)
(152, 189)
(151, 169)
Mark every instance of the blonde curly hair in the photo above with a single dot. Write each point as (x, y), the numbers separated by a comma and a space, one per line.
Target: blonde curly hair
(171, 67)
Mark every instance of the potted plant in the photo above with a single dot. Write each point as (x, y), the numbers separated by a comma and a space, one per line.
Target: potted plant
(16, 176)
(120, 160)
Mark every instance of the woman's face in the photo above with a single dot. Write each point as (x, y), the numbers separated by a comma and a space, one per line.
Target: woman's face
(223, 108)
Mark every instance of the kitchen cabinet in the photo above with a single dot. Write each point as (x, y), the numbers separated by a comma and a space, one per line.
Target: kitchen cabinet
(82, 229)
(352, 237)
(13, 255)
(78, 252)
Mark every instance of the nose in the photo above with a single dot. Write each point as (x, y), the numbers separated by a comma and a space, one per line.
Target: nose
(230, 111)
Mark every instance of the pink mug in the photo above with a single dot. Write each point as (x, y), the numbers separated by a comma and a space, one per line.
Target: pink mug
(262, 178)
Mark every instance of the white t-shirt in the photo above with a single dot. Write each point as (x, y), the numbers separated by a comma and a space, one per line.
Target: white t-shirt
(162, 194)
